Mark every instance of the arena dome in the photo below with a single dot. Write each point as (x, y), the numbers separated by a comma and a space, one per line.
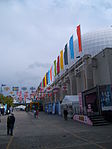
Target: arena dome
(94, 42)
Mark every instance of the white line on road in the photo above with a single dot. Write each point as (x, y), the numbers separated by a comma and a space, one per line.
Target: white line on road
(9, 143)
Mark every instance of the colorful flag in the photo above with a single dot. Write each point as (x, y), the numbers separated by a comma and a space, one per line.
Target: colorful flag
(20, 96)
(61, 59)
(17, 93)
(58, 65)
(15, 88)
(24, 88)
(45, 80)
(66, 55)
(32, 88)
(71, 47)
(55, 68)
(42, 83)
(47, 77)
(79, 38)
(25, 96)
(51, 74)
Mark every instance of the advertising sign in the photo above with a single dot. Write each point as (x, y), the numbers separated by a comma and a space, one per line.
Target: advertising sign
(106, 97)
(32, 88)
(24, 88)
(15, 88)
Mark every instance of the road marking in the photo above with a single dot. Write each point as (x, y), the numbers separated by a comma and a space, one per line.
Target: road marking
(91, 142)
(10, 141)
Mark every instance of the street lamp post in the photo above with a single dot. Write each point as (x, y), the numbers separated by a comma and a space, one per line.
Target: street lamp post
(2, 85)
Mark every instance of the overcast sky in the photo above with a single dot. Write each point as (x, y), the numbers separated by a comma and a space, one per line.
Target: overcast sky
(32, 33)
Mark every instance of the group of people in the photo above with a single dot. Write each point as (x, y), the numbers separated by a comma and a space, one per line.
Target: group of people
(11, 120)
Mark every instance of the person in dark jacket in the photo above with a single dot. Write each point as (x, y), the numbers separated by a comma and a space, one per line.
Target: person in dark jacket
(65, 112)
(10, 124)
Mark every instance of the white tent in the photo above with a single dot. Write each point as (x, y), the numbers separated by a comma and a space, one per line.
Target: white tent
(70, 102)
(70, 99)
(21, 107)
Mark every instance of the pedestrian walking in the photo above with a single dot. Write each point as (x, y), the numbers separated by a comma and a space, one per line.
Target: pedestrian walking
(34, 113)
(65, 112)
(37, 113)
(10, 124)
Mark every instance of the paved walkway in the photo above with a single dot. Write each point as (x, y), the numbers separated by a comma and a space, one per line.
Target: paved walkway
(52, 132)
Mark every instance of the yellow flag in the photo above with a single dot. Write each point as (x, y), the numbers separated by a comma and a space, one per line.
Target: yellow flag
(45, 80)
(61, 59)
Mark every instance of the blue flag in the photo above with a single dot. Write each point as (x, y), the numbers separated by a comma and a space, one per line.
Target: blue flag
(71, 47)
(48, 76)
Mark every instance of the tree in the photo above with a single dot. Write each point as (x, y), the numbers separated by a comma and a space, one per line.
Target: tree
(1, 98)
(6, 100)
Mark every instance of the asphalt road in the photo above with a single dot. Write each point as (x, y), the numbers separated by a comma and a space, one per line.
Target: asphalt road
(52, 132)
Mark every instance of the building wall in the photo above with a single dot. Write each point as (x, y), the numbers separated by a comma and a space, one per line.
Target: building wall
(89, 73)
(102, 74)
(92, 71)
(109, 58)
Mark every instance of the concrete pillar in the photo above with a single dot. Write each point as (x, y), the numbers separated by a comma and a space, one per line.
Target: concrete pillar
(67, 82)
(88, 73)
(73, 86)
(61, 92)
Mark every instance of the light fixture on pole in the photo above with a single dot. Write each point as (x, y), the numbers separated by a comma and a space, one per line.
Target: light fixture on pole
(2, 85)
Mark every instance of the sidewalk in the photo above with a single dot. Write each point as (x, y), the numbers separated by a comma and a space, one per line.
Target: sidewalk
(4, 139)
(53, 132)
(3, 125)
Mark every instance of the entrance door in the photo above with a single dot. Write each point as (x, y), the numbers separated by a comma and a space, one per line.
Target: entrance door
(91, 103)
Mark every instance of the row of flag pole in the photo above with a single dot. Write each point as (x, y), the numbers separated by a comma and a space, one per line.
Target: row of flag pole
(62, 60)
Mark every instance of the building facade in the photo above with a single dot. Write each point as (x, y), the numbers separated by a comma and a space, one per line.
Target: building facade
(91, 68)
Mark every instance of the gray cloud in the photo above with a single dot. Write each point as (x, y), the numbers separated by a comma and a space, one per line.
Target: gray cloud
(39, 65)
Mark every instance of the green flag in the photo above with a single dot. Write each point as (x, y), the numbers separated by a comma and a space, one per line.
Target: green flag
(55, 68)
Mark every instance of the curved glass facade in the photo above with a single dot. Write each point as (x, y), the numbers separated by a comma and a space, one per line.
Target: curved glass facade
(94, 42)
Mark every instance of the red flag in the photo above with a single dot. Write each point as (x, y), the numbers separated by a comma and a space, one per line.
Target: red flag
(58, 65)
(26, 94)
(20, 95)
(24, 98)
(79, 38)
(17, 93)
(51, 74)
